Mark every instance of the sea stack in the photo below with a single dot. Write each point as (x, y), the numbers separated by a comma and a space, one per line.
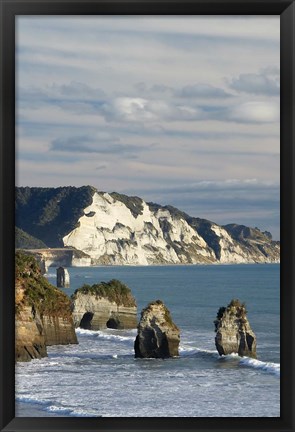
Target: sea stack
(62, 278)
(158, 336)
(104, 305)
(233, 331)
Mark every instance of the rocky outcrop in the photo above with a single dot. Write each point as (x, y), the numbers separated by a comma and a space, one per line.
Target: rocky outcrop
(233, 331)
(158, 336)
(68, 257)
(62, 278)
(43, 313)
(118, 229)
(105, 305)
(59, 330)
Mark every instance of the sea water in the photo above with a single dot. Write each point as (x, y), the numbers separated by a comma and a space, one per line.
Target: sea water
(101, 377)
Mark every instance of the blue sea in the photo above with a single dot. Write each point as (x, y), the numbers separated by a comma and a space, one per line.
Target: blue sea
(101, 377)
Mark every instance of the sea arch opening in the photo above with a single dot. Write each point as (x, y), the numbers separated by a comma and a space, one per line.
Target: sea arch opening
(86, 321)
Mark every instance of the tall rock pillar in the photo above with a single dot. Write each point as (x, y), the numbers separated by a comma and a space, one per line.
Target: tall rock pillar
(62, 278)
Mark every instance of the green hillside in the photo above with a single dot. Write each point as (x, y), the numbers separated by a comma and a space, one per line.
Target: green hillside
(24, 240)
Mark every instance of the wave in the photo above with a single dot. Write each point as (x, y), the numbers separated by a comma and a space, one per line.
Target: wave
(193, 352)
(107, 336)
(47, 406)
(73, 412)
(273, 368)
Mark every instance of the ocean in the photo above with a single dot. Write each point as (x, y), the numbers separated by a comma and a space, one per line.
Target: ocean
(101, 377)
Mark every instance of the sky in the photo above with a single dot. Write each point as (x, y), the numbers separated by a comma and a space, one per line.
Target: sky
(176, 110)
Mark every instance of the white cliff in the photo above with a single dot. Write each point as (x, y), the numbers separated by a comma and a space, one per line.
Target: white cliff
(88, 227)
(111, 233)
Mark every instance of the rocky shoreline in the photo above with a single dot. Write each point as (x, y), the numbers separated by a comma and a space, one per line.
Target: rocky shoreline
(46, 316)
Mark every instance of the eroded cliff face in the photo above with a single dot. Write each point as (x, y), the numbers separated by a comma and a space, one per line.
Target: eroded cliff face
(105, 305)
(43, 313)
(158, 336)
(111, 233)
(233, 331)
(117, 229)
(29, 335)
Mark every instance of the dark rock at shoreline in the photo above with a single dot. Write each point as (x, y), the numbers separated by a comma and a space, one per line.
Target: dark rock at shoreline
(233, 331)
(158, 336)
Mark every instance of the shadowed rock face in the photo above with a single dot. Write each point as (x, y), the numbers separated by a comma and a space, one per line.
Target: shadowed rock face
(233, 331)
(29, 335)
(158, 336)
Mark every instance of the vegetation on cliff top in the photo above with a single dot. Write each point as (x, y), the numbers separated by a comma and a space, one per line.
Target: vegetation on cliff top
(134, 203)
(167, 315)
(236, 309)
(37, 291)
(114, 291)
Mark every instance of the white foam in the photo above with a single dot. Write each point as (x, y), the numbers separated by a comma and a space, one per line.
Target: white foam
(104, 335)
(273, 368)
(73, 412)
(191, 351)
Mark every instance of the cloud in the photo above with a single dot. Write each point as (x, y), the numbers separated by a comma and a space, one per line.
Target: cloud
(132, 109)
(72, 96)
(101, 167)
(144, 110)
(254, 112)
(196, 90)
(101, 144)
(202, 91)
(231, 185)
(79, 90)
(266, 82)
(175, 105)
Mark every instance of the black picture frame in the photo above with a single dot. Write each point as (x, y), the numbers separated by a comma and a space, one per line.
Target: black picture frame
(9, 10)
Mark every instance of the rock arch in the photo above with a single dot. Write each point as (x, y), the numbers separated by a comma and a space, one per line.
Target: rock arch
(114, 323)
(86, 320)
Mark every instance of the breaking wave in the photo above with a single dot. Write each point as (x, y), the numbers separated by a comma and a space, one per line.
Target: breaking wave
(129, 337)
(273, 368)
